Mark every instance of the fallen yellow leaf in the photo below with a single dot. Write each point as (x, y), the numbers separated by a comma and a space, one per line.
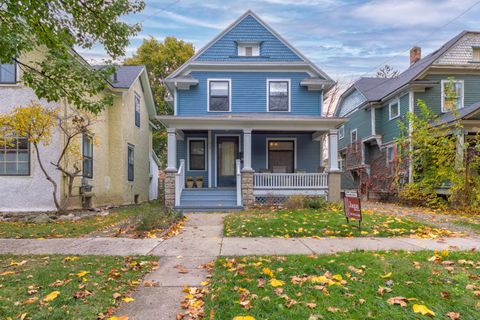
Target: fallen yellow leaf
(420, 308)
(51, 296)
(82, 274)
(268, 272)
(243, 318)
(128, 299)
(387, 275)
(276, 283)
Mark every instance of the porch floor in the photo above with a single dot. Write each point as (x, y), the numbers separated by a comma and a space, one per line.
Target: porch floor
(208, 199)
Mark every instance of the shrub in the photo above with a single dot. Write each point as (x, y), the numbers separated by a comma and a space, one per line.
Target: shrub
(420, 194)
(295, 202)
(316, 203)
(156, 219)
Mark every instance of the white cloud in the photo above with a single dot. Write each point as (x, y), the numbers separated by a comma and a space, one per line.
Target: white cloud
(192, 21)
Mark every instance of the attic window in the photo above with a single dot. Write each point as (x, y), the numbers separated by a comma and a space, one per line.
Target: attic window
(248, 49)
(476, 54)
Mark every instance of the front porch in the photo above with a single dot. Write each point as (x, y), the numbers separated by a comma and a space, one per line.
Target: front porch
(242, 167)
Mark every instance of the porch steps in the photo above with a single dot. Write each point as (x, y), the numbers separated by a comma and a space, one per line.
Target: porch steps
(213, 200)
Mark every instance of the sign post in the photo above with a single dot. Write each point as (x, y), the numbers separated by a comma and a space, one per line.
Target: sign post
(352, 207)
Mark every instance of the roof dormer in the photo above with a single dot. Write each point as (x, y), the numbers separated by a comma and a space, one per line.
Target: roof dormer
(248, 49)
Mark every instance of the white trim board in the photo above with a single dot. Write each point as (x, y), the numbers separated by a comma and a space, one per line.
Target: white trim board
(289, 94)
(397, 102)
(294, 139)
(229, 93)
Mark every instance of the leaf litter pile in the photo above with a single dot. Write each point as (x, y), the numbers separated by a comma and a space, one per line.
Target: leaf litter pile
(68, 287)
(356, 285)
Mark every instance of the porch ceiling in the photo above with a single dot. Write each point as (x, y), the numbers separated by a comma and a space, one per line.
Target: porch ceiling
(252, 122)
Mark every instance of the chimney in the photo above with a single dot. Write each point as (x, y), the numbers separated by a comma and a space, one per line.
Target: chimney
(415, 54)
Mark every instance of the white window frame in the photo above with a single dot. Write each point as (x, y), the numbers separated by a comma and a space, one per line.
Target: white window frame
(282, 139)
(389, 161)
(475, 54)
(356, 135)
(341, 132)
(289, 94)
(188, 153)
(397, 102)
(241, 49)
(442, 98)
(229, 94)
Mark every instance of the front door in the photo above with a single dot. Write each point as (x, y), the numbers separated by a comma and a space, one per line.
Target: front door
(227, 153)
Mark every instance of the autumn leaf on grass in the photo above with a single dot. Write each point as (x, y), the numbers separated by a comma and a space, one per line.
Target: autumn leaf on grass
(398, 300)
(268, 272)
(386, 275)
(128, 299)
(243, 318)
(6, 273)
(51, 296)
(420, 308)
(82, 274)
(118, 318)
(276, 283)
(453, 315)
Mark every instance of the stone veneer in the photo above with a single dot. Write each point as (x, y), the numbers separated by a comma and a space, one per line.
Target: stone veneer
(170, 189)
(247, 189)
(334, 185)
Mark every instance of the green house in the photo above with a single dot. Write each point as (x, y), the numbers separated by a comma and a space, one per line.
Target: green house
(446, 79)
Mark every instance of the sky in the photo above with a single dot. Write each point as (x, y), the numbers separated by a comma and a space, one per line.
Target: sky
(345, 38)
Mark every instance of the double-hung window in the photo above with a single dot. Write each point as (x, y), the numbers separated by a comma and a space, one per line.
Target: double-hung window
(8, 73)
(14, 156)
(452, 95)
(278, 95)
(197, 154)
(353, 139)
(137, 109)
(341, 132)
(219, 95)
(87, 156)
(130, 162)
(394, 110)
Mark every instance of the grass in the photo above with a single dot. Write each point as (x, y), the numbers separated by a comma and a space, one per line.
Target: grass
(321, 223)
(85, 284)
(71, 229)
(471, 224)
(345, 286)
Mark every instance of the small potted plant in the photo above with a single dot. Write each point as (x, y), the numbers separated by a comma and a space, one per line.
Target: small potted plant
(199, 182)
(189, 182)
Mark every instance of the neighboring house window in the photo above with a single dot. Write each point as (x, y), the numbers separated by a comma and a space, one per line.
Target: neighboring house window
(197, 154)
(394, 110)
(87, 156)
(130, 162)
(219, 95)
(476, 54)
(278, 95)
(14, 156)
(341, 164)
(8, 73)
(281, 156)
(137, 109)
(353, 139)
(452, 95)
(341, 132)
(391, 154)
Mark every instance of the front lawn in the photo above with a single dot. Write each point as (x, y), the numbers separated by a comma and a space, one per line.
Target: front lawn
(67, 287)
(322, 223)
(71, 229)
(356, 285)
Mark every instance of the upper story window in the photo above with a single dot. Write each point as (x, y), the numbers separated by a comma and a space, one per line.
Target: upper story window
(130, 162)
(476, 54)
(14, 156)
(219, 95)
(248, 49)
(341, 132)
(452, 95)
(8, 73)
(278, 95)
(87, 149)
(394, 110)
(353, 136)
(137, 109)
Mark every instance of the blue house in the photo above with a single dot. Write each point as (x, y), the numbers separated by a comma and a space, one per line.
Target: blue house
(248, 125)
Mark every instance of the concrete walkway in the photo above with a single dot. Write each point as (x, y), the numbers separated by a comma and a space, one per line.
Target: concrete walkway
(200, 242)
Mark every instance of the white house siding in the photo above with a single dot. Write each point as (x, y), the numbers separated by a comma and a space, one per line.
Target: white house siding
(462, 52)
(34, 192)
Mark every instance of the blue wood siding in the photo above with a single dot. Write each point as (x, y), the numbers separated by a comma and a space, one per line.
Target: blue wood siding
(249, 30)
(249, 93)
(308, 151)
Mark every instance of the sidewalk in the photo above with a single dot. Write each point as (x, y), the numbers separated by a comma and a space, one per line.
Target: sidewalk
(201, 242)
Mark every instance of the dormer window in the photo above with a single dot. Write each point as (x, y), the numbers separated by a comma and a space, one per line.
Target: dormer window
(248, 49)
(476, 54)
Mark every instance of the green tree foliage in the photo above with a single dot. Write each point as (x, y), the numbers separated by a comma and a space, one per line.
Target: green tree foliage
(55, 28)
(161, 59)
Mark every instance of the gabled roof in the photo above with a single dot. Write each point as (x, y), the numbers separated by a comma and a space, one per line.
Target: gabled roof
(250, 13)
(462, 113)
(375, 92)
(124, 76)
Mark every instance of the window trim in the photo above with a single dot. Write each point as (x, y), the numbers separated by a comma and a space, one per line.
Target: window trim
(356, 135)
(84, 137)
(130, 147)
(293, 139)
(15, 82)
(397, 102)
(135, 96)
(229, 93)
(475, 49)
(442, 97)
(289, 88)
(29, 162)
(341, 132)
(189, 139)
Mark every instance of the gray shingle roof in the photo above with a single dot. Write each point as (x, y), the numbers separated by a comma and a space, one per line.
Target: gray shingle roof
(125, 75)
(461, 113)
(380, 90)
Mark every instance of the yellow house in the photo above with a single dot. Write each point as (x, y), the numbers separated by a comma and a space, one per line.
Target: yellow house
(119, 165)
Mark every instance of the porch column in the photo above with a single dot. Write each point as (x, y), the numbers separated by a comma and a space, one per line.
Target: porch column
(248, 198)
(171, 169)
(334, 174)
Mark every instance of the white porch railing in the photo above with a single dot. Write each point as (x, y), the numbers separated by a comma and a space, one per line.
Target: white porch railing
(239, 182)
(179, 182)
(291, 180)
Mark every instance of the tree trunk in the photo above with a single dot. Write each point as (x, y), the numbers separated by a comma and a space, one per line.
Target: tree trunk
(54, 184)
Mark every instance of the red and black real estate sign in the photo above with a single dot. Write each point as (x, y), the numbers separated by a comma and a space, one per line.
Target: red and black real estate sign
(353, 208)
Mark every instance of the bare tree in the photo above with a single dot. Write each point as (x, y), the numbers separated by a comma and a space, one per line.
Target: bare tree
(387, 72)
